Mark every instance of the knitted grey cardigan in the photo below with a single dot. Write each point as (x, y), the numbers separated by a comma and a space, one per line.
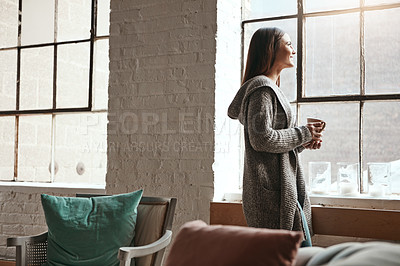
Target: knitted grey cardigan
(273, 179)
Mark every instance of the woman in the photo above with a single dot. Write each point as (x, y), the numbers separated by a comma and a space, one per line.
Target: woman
(274, 193)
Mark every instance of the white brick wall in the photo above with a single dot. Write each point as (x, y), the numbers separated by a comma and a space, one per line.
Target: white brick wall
(21, 213)
(162, 101)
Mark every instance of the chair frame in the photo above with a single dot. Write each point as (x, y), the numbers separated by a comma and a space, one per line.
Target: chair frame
(125, 254)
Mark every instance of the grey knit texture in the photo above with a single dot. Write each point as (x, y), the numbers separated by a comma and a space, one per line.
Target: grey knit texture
(273, 179)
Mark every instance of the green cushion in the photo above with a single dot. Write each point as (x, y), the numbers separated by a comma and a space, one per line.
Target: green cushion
(89, 231)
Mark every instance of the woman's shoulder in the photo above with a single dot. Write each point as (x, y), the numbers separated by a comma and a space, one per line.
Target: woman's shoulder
(257, 84)
(263, 89)
(260, 80)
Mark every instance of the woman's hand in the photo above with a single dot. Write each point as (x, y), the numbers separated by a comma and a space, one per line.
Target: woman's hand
(316, 142)
(313, 145)
(315, 129)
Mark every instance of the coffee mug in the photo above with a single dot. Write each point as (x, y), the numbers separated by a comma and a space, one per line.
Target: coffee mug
(311, 120)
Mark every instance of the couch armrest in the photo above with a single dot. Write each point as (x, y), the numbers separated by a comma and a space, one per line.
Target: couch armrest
(305, 254)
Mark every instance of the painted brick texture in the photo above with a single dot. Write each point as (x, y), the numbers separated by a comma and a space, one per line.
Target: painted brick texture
(161, 102)
(21, 214)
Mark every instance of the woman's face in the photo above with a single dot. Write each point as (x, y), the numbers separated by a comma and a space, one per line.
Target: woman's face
(285, 53)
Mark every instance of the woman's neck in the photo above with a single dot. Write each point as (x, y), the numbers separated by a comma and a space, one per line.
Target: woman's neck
(273, 74)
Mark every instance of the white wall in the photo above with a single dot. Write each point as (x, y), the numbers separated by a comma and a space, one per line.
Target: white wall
(227, 166)
(161, 101)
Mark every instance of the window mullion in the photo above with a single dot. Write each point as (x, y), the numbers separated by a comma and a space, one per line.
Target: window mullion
(55, 55)
(362, 50)
(300, 63)
(16, 128)
(53, 117)
(362, 92)
(17, 94)
(53, 149)
(19, 55)
(17, 98)
(300, 48)
(360, 145)
(55, 77)
(93, 33)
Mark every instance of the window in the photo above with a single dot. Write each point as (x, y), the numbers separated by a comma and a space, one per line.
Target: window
(53, 90)
(347, 74)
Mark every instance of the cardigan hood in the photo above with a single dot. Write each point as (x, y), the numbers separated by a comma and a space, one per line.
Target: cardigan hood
(237, 109)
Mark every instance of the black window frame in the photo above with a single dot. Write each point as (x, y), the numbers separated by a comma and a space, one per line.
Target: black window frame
(360, 98)
(54, 110)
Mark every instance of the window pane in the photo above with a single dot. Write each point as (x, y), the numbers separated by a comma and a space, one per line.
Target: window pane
(382, 51)
(381, 139)
(103, 17)
(36, 78)
(74, 20)
(378, 2)
(323, 5)
(37, 14)
(8, 79)
(268, 8)
(7, 140)
(340, 138)
(9, 23)
(332, 55)
(73, 75)
(34, 148)
(81, 148)
(288, 76)
(101, 72)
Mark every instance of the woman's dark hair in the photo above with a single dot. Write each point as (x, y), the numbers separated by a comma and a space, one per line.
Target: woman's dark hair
(262, 50)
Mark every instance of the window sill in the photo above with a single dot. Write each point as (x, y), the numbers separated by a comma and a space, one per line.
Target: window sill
(364, 202)
(331, 221)
(36, 187)
(360, 201)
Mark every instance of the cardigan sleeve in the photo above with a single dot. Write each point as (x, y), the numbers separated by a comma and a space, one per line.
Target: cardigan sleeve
(263, 116)
(300, 148)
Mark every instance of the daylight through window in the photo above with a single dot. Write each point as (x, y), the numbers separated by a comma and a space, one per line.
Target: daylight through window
(347, 74)
(53, 90)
